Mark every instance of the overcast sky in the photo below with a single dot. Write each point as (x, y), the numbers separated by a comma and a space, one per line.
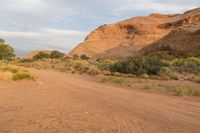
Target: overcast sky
(62, 24)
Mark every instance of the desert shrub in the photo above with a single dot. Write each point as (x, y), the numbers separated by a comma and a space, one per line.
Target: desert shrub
(56, 54)
(80, 65)
(84, 57)
(105, 64)
(167, 73)
(93, 71)
(22, 76)
(6, 51)
(10, 69)
(189, 67)
(41, 55)
(139, 66)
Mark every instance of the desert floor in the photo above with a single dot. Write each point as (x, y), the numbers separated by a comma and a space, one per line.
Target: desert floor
(65, 103)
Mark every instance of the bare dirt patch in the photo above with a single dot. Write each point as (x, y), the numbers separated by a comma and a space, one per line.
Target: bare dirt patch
(60, 102)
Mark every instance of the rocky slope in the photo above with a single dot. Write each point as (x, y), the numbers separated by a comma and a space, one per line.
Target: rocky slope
(135, 31)
(182, 41)
(119, 39)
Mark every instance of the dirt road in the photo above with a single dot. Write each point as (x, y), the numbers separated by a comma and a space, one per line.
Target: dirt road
(65, 103)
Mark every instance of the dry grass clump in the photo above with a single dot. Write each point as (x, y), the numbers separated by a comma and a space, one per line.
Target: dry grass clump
(9, 73)
(119, 80)
(93, 71)
(22, 76)
(183, 91)
(167, 74)
(6, 76)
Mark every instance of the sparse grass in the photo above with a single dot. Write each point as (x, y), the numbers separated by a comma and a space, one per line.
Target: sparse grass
(119, 80)
(183, 91)
(115, 80)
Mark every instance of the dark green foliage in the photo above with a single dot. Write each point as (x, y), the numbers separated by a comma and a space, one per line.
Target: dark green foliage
(25, 60)
(41, 55)
(56, 54)
(6, 51)
(190, 67)
(84, 57)
(139, 65)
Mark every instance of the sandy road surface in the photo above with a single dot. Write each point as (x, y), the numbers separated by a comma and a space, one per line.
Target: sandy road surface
(65, 103)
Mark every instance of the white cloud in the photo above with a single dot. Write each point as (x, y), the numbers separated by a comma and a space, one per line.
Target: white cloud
(25, 5)
(159, 6)
(42, 32)
(44, 39)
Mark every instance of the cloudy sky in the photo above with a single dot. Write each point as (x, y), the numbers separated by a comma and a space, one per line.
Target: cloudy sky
(62, 24)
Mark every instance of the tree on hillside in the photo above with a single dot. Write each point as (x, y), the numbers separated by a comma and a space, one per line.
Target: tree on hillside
(56, 54)
(41, 55)
(6, 51)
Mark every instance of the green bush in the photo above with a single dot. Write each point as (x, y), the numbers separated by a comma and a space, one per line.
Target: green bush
(56, 54)
(139, 66)
(41, 55)
(22, 76)
(6, 51)
(25, 60)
